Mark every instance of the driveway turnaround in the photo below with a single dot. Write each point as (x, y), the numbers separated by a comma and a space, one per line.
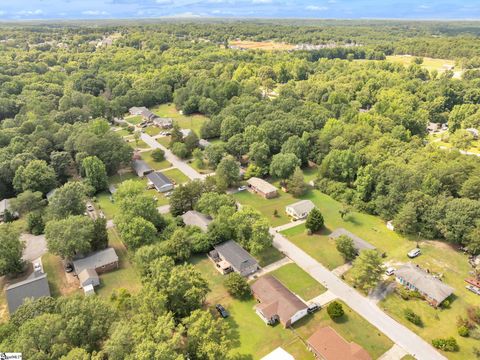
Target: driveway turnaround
(181, 165)
(399, 334)
(35, 246)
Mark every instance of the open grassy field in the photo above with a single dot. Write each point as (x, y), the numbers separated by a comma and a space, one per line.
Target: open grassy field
(298, 281)
(134, 120)
(436, 140)
(176, 175)
(125, 276)
(147, 157)
(152, 130)
(428, 63)
(258, 339)
(193, 122)
(261, 45)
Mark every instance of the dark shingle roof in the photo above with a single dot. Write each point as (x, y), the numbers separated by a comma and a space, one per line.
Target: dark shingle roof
(358, 242)
(237, 256)
(195, 218)
(141, 167)
(158, 179)
(96, 260)
(35, 287)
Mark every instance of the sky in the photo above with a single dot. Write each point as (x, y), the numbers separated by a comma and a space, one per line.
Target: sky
(323, 9)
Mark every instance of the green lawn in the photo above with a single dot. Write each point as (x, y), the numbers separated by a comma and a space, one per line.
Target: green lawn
(134, 120)
(152, 130)
(147, 157)
(269, 256)
(176, 175)
(319, 246)
(57, 278)
(436, 140)
(104, 202)
(122, 132)
(138, 145)
(202, 170)
(257, 339)
(164, 140)
(298, 281)
(125, 276)
(428, 63)
(193, 122)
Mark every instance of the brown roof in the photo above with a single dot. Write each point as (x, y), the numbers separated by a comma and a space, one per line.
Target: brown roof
(331, 346)
(276, 299)
(261, 185)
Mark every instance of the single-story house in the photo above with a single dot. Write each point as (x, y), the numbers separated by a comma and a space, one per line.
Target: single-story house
(89, 290)
(277, 303)
(141, 167)
(327, 344)
(262, 187)
(414, 278)
(300, 209)
(195, 218)
(278, 354)
(185, 132)
(6, 206)
(358, 242)
(101, 261)
(34, 287)
(145, 113)
(203, 143)
(88, 277)
(135, 110)
(474, 132)
(161, 122)
(229, 256)
(159, 181)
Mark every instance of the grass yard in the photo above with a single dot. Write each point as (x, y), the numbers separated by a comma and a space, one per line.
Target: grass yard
(176, 175)
(436, 140)
(351, 326)
(59, 281)
(269, 256)
(122, 132)
(104, 202)
(164, 140)
(261, 45)
(202, 170)
(138, 145)
(134, 120)
(147, 157)
(193, 122)
(152, 130)
(428, 63)
(298, 281)
(125, 276)
(319, 246)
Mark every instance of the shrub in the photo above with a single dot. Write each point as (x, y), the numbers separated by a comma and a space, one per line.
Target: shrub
(445, 304)
(35, 223)
(412, 317)
(275, 213)
(463, 331)
(237, 285)
(158, 155)
(345, 247)
(473, 313)
(448, 344)
(474, 333)
(335, 310)
(314, 220)
(180, 149)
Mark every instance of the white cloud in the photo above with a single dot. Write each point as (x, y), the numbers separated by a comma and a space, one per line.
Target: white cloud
(30, 12)
(424, 7)
(94, 12)
(261, 1)
(316, 8)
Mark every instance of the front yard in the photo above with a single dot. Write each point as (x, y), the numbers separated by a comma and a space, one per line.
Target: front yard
(176, 175)
(193, 122)
(156, 165)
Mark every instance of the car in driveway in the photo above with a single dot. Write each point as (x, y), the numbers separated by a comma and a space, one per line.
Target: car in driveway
(68, 268)
(414, 253)
(473, 289)
(222, 311)
(37, 267)
(313, 307)
(242, 188)
(390, 271)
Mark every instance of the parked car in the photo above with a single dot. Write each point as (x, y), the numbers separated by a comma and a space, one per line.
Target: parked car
(68, 268)
(90, 207)
(473, 289)
(168, 194)
(413, 253)
(313, 307)
(242, 188)
(390, 271)
(222, 311)
(37, 267)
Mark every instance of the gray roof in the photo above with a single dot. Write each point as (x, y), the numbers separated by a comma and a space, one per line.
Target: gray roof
(163, 121)
(159, 180)
(358, 242)
(203, 143)
(96, 260)
(34, 287)
(141, 167)
(195, 218)
(87, 274)
(302, 206)
(237, 256)
(424, 282)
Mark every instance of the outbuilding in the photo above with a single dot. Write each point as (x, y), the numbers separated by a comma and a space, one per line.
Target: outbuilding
(88, 277)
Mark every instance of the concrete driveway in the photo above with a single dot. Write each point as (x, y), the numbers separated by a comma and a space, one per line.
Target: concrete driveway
(35, 246)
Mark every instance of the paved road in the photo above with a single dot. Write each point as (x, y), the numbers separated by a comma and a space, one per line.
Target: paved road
(289, 225)
(398, 333)
(35, 246)
(173, 159)
(395, 353)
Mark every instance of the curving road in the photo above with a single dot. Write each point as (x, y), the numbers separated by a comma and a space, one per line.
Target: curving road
(399, 334)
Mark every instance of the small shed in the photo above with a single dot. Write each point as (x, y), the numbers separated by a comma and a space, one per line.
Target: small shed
(88, 277)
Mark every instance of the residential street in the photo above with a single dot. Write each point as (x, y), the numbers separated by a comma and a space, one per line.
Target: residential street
(173, 159)
(398, 333)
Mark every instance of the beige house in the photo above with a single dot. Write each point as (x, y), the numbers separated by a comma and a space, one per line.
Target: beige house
(262, 187)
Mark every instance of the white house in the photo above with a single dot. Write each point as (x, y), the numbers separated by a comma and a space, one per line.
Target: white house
(300, 209)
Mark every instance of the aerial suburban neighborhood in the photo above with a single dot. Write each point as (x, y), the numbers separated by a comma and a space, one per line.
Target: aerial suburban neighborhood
(240, 190)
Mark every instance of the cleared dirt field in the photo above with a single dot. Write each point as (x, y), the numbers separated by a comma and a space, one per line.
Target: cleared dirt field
(262, 45)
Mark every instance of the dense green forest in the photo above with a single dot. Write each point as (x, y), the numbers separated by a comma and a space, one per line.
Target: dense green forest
(362, 122)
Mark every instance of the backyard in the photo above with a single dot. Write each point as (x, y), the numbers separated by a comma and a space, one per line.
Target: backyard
(193, 122)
